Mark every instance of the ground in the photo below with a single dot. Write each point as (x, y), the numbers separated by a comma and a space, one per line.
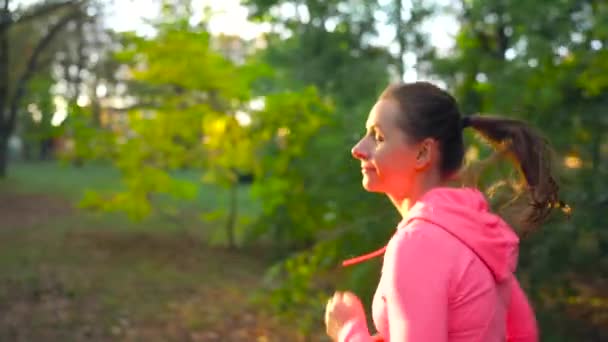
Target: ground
(70, 275)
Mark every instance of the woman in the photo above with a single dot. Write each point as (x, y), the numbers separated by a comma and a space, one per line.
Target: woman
(448, 270)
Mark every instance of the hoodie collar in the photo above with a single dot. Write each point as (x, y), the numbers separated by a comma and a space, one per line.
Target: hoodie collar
(465, 214)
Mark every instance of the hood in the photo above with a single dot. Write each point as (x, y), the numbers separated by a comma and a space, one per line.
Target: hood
(464, 213)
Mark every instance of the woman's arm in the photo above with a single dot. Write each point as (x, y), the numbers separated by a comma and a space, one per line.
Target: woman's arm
(416, 288)
(521, 323)
(415, 284)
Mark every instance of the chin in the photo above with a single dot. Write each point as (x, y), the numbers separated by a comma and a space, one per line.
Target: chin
(370, 186)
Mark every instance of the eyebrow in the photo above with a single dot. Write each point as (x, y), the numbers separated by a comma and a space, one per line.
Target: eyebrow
(374, 126)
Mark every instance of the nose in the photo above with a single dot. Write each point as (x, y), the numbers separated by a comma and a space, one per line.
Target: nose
(358, 152)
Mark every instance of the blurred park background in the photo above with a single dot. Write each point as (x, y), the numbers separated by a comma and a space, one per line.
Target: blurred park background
(180, 170)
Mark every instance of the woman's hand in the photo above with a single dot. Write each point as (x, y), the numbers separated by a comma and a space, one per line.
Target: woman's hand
(341, 308)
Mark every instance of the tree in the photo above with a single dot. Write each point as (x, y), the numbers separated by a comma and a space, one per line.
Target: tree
(189, 102)
(328, 44)
(510, 61)
(506, 60)
(87, 72)
(35, 125)
(12, 91)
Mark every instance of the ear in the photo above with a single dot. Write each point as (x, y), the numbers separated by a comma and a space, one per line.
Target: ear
(426, 153)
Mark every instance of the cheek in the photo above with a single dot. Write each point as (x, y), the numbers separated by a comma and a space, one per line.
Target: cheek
(396, 168)
(396, 162)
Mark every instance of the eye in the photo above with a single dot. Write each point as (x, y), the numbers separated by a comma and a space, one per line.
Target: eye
(377, 136)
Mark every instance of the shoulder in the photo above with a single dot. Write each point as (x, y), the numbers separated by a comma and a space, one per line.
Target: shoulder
(421, 237)
(424, 247)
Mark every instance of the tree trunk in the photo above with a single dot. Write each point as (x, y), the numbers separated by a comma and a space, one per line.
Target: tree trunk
(4, 136)
(595, 189)
(10, 108)
(400, 28)
(232, 214)
(4, 94)
(46, 149)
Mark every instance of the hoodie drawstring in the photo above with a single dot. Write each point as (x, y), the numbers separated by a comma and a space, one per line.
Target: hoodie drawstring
(364, 257)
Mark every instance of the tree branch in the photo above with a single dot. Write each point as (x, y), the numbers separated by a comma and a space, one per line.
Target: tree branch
(46, 9)
(4, 60)
(400, 37)
(33, 64)
(482, 37)
(143, 105)
(5, 17)
(502, 40)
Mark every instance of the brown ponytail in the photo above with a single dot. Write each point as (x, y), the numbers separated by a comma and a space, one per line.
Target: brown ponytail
(428, 111)
(532, 156)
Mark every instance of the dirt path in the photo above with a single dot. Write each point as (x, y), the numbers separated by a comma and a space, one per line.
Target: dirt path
(24, 210)
(70, 277)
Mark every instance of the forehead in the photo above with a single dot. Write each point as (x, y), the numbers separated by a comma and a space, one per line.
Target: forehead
(383, 114)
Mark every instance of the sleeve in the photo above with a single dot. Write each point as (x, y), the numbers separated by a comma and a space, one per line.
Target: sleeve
(416, 289)
(415, 283)
(355, 331)
(521, 322)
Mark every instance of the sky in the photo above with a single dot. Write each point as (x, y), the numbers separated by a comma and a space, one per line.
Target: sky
(231, 18)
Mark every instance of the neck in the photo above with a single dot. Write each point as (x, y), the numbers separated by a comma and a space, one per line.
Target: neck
(404, 202)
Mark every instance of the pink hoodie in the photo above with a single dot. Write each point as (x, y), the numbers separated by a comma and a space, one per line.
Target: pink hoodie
(448, 276)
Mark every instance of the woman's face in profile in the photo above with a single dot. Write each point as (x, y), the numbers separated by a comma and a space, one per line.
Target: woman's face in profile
(389, 163)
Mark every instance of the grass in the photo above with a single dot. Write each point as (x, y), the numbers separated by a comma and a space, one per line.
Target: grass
(71, 275)
(71, 183)
(59, 179)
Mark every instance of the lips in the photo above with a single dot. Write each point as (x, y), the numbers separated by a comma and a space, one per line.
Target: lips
(367, 168)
